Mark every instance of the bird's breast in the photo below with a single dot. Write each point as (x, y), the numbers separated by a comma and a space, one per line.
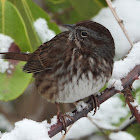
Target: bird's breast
(79, 88)
(77, 80)
(81, 81)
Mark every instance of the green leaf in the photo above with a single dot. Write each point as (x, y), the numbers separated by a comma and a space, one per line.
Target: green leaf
(16, 20)
(57, 1)
(12, 24)
(30, 12)
(86, 8)
(134, 129)
(13, 85)
(72, 11)
(138, 95)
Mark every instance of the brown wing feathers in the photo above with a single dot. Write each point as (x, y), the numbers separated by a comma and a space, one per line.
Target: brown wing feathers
(15, 56)
(42, 58)
(33, 64)
(36, 62)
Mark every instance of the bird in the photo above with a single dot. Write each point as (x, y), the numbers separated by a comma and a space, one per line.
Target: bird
(73, 65)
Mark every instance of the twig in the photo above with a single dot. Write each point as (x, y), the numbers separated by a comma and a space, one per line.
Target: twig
(106, 94)
(126, 123)
(120, 22)
(63, 137)
(100, 129)
(129, 100)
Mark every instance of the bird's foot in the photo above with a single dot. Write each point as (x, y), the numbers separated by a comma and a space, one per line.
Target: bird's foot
(63, 118)
(95, 103)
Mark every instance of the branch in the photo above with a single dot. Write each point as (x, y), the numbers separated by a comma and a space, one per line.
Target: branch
(120, 22)
(106, 94)
(129, 99)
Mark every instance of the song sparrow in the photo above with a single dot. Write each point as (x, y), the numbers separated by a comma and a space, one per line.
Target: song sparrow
(73, 65)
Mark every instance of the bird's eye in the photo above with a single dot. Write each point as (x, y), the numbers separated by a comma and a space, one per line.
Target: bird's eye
(84, 34)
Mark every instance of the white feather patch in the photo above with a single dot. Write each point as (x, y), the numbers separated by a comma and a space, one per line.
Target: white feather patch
(74, 91)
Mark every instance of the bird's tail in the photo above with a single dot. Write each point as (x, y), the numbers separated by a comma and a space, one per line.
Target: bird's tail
(15, 56)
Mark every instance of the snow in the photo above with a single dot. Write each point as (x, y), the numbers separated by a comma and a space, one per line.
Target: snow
(110, 113)
(116, 83)
(122, 46)
(112, 106)
(138, 108)
(121, 136)
(43, 30)
(112, 110)
(5, 124)
(53, 120)
(123, 67)
(81, 105)
(82, 127)
(136, 84)
(97, 137)
(5, 43)
(28, 130)
(135, 104)
(128, 11)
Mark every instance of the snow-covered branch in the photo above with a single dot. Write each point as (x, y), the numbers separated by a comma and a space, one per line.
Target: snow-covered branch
(106, 94)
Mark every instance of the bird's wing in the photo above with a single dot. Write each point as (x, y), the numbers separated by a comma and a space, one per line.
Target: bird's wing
(47, 54)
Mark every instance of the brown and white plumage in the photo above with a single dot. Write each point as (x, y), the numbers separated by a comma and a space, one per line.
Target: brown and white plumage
(74, 64)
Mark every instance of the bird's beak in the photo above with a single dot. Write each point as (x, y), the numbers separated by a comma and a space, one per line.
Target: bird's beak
(70, 27)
